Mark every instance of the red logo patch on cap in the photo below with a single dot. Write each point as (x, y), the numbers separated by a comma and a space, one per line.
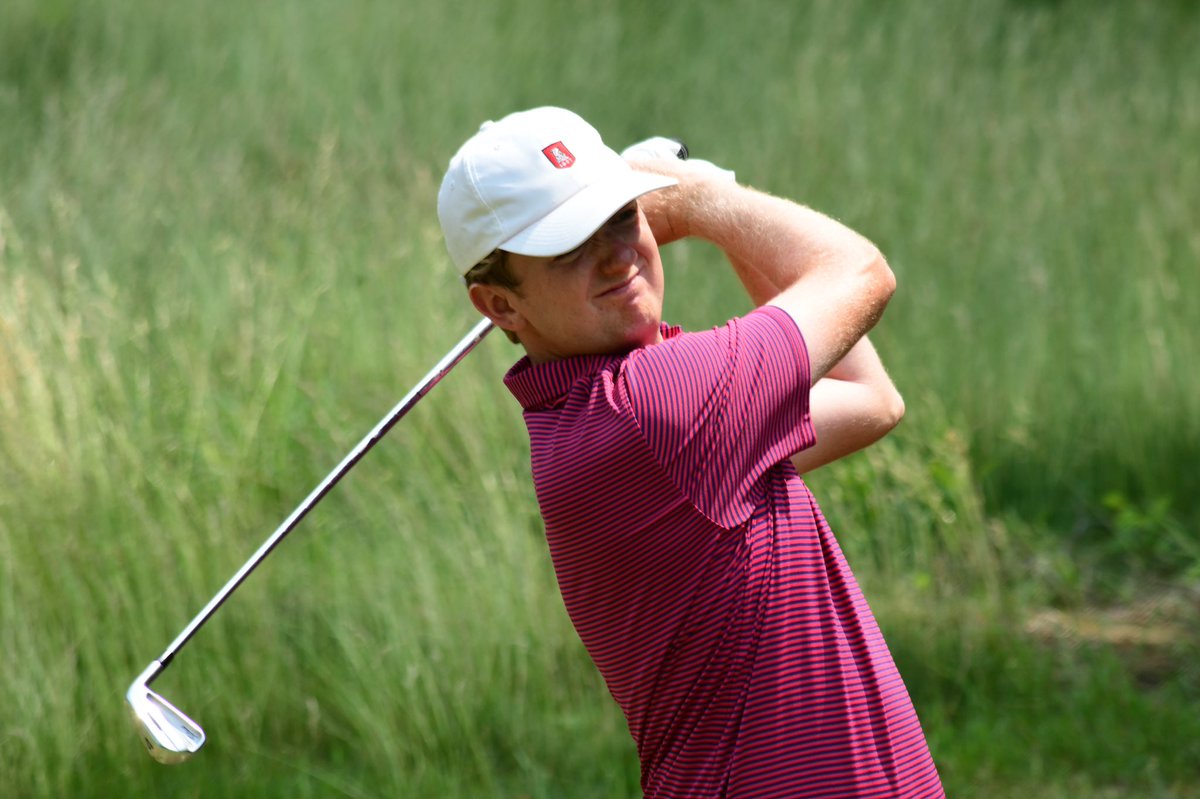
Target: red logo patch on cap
(558, 155)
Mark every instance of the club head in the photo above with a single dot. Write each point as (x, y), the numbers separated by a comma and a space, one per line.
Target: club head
(169, 735)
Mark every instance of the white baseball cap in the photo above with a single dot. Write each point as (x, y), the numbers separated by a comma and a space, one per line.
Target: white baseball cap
(537, 182)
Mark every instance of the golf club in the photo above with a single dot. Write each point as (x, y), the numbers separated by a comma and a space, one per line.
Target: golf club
(169, 735)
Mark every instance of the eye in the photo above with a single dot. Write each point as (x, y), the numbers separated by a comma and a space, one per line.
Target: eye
(569, 257)
(626, 215)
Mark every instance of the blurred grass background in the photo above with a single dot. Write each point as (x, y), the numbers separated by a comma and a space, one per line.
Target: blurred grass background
(220, 265)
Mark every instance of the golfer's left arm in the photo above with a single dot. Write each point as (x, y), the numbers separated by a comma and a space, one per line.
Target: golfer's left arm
(854, 405)
(828, 278)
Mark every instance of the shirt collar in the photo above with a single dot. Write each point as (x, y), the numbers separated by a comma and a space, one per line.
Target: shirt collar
(540, 386)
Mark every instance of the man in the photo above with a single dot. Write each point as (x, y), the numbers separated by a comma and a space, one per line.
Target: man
(692, 559)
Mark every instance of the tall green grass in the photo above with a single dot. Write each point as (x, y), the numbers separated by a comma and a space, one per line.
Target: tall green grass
(220, 265)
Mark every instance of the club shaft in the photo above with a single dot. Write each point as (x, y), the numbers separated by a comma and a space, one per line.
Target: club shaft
(434, 376)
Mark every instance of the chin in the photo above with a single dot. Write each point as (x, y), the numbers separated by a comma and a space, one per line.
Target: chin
(645, 335)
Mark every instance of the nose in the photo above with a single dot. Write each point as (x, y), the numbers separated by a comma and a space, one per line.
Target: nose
(617, 247)
(617, 255)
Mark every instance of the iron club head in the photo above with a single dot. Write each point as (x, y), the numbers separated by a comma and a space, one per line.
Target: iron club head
(169, 735)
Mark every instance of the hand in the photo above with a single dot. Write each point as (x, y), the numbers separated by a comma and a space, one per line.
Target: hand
(668, 210)
(662, 148)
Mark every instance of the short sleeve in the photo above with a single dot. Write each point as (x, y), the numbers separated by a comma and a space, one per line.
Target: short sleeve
(720, 408)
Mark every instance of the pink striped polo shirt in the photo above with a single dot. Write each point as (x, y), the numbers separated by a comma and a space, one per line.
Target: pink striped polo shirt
(702, 577)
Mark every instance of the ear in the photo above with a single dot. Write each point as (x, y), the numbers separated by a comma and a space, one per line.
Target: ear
(494, 303)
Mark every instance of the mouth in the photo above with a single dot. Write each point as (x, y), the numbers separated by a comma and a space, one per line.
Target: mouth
(622, 287)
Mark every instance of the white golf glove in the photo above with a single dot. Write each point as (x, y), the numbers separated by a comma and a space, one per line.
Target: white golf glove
(661, 147)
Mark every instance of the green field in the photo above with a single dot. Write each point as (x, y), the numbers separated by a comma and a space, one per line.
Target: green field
(220, 266)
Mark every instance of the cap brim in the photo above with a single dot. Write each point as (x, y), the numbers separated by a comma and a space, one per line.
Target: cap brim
(573, 222)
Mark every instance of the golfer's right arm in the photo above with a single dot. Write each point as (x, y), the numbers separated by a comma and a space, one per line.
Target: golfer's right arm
(854, 405)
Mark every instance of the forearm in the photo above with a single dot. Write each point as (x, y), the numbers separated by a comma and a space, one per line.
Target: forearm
(852, 407)
(771, 242)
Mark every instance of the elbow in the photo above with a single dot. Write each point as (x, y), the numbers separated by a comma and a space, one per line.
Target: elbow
(892, 410)
(869, 284)
(891, 401)
(886, 414)
(887, 404)
(874, 285)
(880, 279)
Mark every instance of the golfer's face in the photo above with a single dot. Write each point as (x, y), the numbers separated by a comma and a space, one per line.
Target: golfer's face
(604, 296)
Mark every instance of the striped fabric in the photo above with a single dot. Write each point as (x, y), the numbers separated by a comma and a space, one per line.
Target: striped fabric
(703, 578)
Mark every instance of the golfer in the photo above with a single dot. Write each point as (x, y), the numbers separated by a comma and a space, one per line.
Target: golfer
(693, 561)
